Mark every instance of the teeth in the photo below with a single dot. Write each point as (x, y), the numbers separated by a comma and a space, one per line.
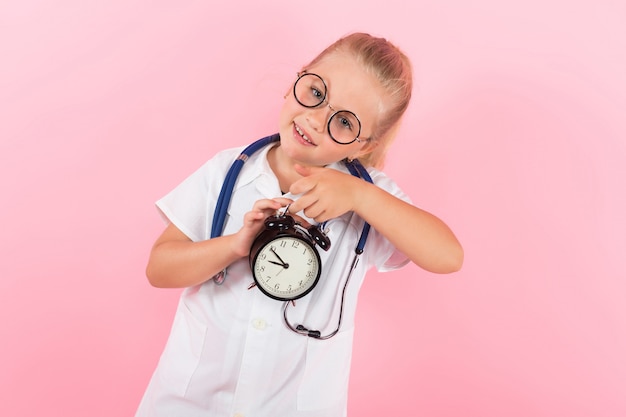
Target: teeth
(302, 134)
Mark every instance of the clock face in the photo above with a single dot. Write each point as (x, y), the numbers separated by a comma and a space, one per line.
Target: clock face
(286, 267)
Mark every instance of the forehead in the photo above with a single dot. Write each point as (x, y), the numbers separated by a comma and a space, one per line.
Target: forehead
(351, 87)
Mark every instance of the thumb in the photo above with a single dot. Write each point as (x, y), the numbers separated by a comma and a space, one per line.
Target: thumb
(302, 185)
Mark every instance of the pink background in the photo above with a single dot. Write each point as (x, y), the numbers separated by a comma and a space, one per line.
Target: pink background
(516, 138)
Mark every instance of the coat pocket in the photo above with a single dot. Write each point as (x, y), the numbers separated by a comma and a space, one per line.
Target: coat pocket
(327, 372)
(182, 352)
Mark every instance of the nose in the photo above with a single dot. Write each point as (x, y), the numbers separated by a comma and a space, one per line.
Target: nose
(318, 116)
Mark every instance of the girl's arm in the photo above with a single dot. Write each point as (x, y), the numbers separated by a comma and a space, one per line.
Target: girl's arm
(176, 261)
(423, 238)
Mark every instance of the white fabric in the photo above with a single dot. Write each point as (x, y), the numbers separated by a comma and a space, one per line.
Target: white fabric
(229, 352)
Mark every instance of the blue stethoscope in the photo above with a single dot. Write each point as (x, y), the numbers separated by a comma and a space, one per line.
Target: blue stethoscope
(223, 201)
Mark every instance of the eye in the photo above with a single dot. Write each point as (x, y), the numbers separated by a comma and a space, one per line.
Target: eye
(345, 120)
(317, 93)
(317, 90)
(345, 123)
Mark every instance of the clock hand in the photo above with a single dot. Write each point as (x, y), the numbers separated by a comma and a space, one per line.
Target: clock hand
(283, 264)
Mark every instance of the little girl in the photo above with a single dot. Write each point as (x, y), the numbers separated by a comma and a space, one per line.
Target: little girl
(235, 351)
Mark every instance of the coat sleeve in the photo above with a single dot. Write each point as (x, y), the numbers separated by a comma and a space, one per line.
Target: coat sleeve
(191, 205)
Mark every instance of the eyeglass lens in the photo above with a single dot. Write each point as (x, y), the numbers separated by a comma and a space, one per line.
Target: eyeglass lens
(310, 91)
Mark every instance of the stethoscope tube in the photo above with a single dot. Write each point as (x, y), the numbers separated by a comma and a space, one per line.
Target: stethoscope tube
(358, 170)
(226, 192)
(316, 334)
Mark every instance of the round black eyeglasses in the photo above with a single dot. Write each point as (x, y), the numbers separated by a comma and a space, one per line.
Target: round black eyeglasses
(310, 91)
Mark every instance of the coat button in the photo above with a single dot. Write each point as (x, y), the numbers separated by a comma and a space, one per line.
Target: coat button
(259, 324)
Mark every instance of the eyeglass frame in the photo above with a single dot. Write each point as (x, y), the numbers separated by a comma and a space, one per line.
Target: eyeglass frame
(357, 139)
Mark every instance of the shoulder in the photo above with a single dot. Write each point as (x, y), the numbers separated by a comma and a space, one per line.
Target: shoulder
(385, 182)
(382, 180)
(379, 178)
(216, 170)
(216, 167)
(224, 157)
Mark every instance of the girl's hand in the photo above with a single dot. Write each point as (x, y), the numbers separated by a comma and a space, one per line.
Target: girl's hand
(423, 238)
(326, 193)
(253, 222)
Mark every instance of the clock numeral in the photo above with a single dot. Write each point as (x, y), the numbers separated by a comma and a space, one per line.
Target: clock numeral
(309, 274)
(310, 261)
(289, 287)
(295, 244)
(283, 244)
(277, 286)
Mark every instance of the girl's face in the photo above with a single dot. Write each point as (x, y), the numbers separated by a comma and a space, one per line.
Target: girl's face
(304, 135)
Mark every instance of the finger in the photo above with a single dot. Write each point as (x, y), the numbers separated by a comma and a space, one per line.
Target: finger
(316, 213)
(283, 201)
(303, 203)
(302, 186)
(253, 216)
(267, 204)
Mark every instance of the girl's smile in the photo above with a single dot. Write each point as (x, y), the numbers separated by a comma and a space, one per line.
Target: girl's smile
(305, 138)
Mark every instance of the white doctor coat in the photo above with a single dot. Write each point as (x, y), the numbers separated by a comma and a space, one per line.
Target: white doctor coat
(229, 352)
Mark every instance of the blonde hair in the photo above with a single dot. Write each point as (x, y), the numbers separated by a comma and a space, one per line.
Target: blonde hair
(392, 68)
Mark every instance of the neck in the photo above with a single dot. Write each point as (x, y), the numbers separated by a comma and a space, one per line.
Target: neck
(282, 168)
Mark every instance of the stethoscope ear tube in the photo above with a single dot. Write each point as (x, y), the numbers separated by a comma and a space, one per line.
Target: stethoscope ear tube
(226, 192)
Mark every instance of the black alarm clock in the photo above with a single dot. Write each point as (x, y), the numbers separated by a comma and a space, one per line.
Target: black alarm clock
(284, 259)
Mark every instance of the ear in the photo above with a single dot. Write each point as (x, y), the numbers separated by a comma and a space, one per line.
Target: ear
(367, 148)
(290, 88)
